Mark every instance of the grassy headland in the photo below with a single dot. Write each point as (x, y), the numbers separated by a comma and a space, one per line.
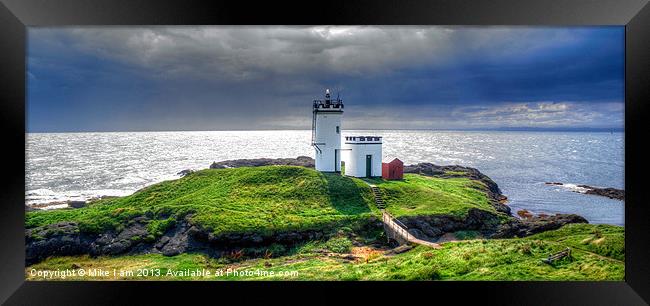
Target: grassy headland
(251, 199)
(270, 199)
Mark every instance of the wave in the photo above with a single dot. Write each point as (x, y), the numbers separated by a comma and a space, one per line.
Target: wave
(47, 196)
(574, 188)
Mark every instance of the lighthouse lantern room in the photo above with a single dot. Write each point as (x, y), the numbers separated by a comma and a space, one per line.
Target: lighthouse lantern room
(326, 133)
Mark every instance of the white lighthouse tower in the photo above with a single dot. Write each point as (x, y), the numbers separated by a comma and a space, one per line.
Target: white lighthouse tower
(326, 133)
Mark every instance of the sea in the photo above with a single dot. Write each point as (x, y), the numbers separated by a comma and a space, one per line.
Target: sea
(82, 166)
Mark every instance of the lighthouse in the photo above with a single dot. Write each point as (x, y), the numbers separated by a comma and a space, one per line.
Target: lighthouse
(326, 133)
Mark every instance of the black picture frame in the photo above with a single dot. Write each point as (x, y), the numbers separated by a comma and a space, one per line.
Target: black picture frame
(16, 15)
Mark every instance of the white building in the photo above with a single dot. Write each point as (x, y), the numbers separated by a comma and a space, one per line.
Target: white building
(326, 133)
(361, 154)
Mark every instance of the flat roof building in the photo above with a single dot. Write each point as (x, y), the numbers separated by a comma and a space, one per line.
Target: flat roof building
(362, 156)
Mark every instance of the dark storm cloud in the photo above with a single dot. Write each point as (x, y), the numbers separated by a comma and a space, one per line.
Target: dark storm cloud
(215, 78)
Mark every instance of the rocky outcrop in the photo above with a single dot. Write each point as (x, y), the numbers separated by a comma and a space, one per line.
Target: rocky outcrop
(303, 161)
(65, 238)
(534, 225)
(488, 224)
(185, 172)
(58, 239)
(433, 227)
(612, 193)
(77, 204)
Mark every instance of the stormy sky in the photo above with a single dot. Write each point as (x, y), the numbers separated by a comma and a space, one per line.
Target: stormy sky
(249, 78)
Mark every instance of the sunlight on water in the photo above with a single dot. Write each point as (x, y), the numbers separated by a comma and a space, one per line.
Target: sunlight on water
(78, 166)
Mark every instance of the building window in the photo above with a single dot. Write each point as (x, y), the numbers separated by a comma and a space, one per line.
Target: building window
(338, 130)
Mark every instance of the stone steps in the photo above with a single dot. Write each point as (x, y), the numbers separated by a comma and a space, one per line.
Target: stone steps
(379, 202)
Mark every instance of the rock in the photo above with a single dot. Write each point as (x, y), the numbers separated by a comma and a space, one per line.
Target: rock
(49, 205)
(611, 193)
(432, 227)
(524, 214)
(59, 239)
(161, 243)
(185, 172)
(534, 225)
(303, 161)
(116, 248)
(289, 237)
(256, 239)
(178, 241)
(77, 204)
(417, 233)
(424, 168)
(133, 232)
(348, 257)
(64, 238)
(487, 224)
(399, 250)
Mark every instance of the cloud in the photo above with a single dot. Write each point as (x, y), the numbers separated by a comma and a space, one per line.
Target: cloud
(506, 115)
(544, 114)
(254, 77)
(244, 53)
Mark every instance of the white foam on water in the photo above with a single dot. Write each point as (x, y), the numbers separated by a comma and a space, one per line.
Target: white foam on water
(574, 188)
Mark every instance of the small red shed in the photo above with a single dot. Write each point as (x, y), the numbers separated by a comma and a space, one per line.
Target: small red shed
(393, 170)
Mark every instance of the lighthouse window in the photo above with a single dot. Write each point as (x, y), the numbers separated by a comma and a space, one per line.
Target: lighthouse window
(337, 130)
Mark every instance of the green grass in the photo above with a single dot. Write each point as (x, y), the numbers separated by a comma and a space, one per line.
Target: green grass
(455, 173)
(423, 195)
(338, 245)
(503, 259)
(252, 199)
(602, 239)
(270, 199)
(157, 228)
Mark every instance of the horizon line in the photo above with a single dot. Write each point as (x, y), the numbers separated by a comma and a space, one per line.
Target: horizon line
(499, 129)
